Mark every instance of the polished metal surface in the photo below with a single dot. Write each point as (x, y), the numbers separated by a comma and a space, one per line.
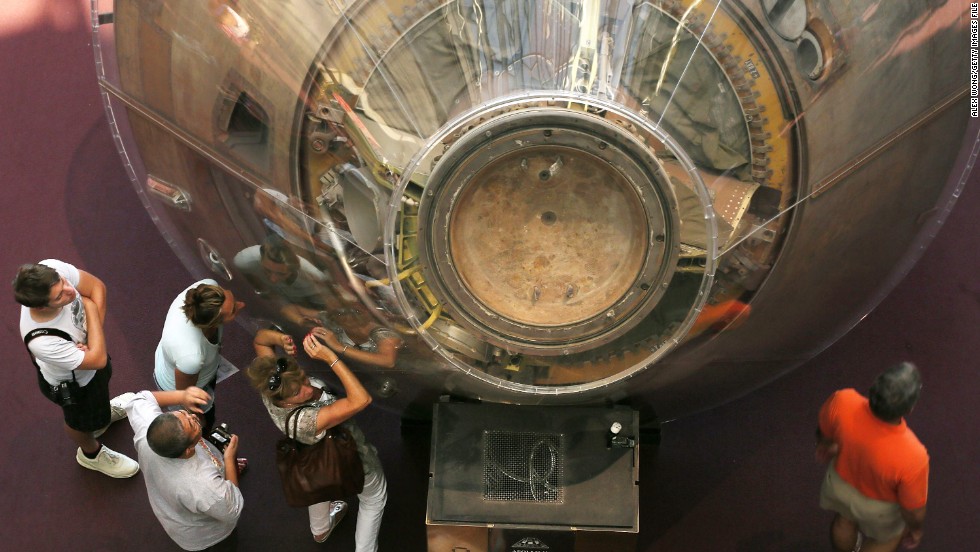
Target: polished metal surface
(667, 203)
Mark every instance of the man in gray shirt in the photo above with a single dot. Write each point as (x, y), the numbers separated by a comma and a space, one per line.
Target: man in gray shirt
(192, 486)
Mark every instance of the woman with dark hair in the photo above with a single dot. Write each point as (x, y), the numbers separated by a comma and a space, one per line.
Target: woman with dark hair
(285, 388)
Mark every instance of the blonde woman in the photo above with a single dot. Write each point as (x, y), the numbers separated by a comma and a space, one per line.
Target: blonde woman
(285, 387)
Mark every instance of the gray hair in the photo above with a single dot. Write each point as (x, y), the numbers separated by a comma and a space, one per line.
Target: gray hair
(895, 391)
(166, 436)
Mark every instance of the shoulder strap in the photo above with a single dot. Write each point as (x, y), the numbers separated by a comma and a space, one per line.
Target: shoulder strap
(41, 332)
(293, 416)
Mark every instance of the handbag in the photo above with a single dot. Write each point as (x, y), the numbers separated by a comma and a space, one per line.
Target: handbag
(329, 469)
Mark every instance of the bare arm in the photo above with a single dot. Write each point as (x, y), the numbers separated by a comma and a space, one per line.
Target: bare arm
(231, 463)
(914, 520)
(827, 449)
(92, 287)
(266, 341)
(301, 316)
(183, 381)
(191, 398)
(95, 351)
(357, 398)
(385, 357)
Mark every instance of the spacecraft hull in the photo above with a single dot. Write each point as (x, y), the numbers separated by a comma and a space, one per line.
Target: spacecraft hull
(665, 204)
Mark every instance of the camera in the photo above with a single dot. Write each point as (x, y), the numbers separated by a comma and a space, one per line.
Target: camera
(63, 393)
(220, 436)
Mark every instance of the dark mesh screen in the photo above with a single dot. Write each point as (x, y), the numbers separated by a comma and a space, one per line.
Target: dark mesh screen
(523, 466)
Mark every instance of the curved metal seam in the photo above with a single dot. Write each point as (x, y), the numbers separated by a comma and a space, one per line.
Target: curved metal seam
(860, 160)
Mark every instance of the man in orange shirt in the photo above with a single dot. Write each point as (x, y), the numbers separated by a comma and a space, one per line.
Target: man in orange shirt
(879, 478)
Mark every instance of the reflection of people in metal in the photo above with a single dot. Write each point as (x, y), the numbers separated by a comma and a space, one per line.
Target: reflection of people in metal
(284, 388)
(273, 268)
(288, 217)
(274, 207)
(878, 479)
(720, 316)
(355, 336)
(324, 252)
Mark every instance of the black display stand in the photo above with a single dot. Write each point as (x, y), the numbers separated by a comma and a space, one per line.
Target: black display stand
(507, 478)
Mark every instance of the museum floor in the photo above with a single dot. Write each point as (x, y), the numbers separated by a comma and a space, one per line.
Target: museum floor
(740, 477)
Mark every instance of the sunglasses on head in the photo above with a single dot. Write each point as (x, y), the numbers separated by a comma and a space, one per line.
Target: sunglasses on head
(275, 380)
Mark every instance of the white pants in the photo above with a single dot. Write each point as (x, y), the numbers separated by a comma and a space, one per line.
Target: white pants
(372, 505)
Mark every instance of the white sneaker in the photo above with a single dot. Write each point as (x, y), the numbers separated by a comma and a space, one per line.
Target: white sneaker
(116, 413)
(109, 462)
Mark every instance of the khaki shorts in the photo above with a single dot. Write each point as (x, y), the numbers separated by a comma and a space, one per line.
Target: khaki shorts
(880, 520)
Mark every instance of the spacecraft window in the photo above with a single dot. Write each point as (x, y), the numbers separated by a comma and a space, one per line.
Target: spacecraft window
(248, 131)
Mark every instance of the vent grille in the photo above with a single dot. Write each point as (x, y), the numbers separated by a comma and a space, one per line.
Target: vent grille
(523, 467)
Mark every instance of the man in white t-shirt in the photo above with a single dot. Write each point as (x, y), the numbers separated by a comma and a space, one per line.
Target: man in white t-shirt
(63, 309)
(189, 349)
(192, 486)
